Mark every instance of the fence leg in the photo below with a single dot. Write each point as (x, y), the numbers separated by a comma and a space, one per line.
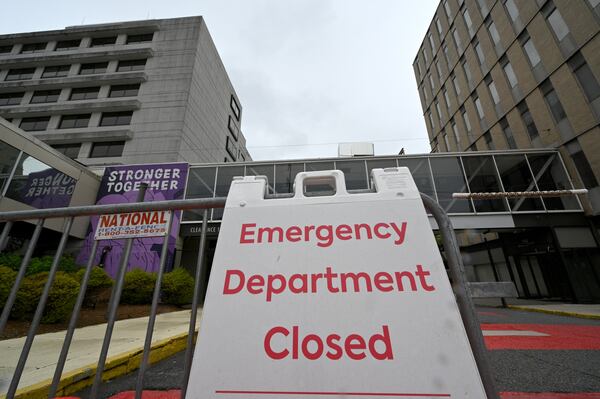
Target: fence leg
(463, 297)
(189, 350)
(4, 236)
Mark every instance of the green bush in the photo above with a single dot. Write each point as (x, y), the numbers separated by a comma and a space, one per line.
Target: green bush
(12, 261)
(138, 287)
(44, 263)
(7, 279)
(98, 285)
(60, 301)
(177, 287)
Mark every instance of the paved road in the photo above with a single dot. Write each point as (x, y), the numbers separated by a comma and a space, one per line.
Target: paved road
(530, 352)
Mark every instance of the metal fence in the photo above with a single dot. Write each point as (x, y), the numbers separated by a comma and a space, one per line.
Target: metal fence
(450, 244)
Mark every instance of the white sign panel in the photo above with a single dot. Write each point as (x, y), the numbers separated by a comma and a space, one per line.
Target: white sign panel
(330, 296)
(132, 225)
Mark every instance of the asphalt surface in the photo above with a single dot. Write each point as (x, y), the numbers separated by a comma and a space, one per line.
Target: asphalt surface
(515, 370)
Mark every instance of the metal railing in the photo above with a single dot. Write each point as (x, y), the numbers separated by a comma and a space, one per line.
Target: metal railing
(450, 244)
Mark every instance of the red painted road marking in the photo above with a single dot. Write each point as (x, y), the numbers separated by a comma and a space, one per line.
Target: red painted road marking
(567, 337)
(176, 394)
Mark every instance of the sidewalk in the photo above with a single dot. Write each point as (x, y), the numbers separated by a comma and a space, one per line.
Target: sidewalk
(591, 311)
(127, 342)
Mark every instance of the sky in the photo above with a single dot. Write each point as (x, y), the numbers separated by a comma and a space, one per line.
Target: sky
(309, 73)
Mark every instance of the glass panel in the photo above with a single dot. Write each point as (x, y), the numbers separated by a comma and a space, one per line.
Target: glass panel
(419, 168)
(225, 175)
(8, 158)
(355, 174)
(532, 53)
(516, 176)
(285, 174)
(558, 25)
(315, 166)
(550, 175)
(448, 177)
(263, 170)
(379, 164)
(201, 184)
(483, 178)
(39, 185)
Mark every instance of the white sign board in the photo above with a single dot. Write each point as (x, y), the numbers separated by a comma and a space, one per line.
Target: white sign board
(330, 296)
(132, 225)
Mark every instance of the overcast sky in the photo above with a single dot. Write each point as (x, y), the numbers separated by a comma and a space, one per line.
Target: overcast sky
(309, 73)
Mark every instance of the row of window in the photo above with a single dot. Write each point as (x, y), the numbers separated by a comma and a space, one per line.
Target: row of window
(72, 44)
(101, 149)
(60, 71)
(40, 123)
(78, 93)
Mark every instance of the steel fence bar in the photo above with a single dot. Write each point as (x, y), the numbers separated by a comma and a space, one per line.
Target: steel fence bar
(463, 296)
(92, 210)
(114, 305)
(10, 301)
(72, 323)
(150, 328)
(4, 236)
(189, 350)
(37, 317)
(520, 194)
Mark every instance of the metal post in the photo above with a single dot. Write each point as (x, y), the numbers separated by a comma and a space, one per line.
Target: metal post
(72, 323)
(37, 317)
(113, 305)
(4, 236)
(494, 270)
(463, 297)
(150, 329)
(10, 301)
(189, 350)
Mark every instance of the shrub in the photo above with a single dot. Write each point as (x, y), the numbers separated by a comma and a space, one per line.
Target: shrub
(7, 279)
(12, 261)
(177, 287)
(138, 287)
(60, 301)
(98, 285)
(44, 263)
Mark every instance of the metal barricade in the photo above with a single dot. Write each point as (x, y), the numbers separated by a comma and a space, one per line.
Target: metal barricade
(450, 245)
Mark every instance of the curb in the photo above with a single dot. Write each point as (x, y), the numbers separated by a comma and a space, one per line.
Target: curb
(556, 312)
(116, 366)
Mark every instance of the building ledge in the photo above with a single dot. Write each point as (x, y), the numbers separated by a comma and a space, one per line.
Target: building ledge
(71, 107)
(75, 81)
(77, 56)
(96, 134)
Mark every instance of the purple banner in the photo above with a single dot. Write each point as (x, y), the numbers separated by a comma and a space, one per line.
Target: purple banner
(48, 189)
(120, 184)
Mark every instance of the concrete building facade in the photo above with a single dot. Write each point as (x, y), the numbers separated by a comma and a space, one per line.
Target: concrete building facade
(515, 74)
(121, 93)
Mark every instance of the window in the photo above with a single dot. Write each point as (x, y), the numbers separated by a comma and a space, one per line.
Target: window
(58, 71)
(456, 135)
(93, 68)
(456, 38)
(107, 149)
(84, 93)
(512, 9)
(69, 150)
(124, 90)
(33, 48)
(467, 19)
(103, 41)
(466, 121)
(531, 51)
(10, 99)
(447, 98)
(487, 137)
(231, 125)
(493, 91)
(446, 142)
(558, 24)
(479, 107)
(74, 121)
(116, 118)
(447, 9)
(585, 77)
(20, 74)
(508, 135)
(510, 74)
(45, 96)
(142, 38)
(594, 3)
(438, 25)
(65, 45)
(34, 124)
(582, 164)
(131, 65)
(467, 71)
(528, 120)
(233, 104)
(6, 48)
(447, 55)
(425, 57)
(491, 26)
(431, 43)
(431, 82)
(431, 123)
(558, 112)
(479, 52)
(455, 84)
(439, 110)
(438, 69)
(418, 67)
